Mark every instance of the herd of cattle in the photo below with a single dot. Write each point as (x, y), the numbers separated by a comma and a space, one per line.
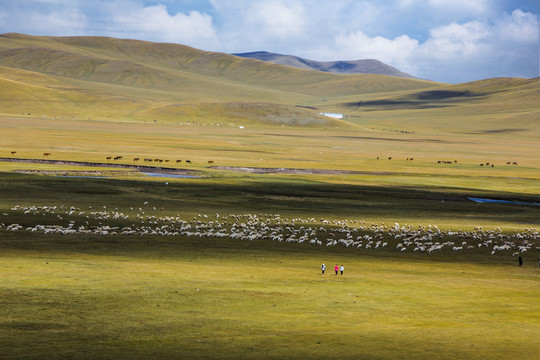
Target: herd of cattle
(354, 234)
(135, 159)
(158, 160)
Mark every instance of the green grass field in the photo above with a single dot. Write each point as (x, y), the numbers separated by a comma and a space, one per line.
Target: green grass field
(408, 151)
(421, 191)
(125, 297)
(116, 296)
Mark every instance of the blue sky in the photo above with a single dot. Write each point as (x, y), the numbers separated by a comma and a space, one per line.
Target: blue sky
(444, 40)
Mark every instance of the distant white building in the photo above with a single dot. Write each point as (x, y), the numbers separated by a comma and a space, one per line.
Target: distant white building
(333, 115)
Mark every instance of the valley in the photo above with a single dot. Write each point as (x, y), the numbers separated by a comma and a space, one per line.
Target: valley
(161, 201)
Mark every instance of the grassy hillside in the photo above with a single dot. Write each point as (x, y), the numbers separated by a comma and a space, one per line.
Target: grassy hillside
(143, 77)
(486, 107)
(106, 78)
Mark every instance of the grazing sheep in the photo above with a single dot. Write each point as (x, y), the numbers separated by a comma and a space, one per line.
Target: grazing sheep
(252, 227)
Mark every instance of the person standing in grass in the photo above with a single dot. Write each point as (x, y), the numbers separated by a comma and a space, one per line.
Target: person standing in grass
(336, 268)
(323, 267)
(341, 268)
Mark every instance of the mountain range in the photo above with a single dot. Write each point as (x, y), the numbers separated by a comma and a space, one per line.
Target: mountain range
(368, 66)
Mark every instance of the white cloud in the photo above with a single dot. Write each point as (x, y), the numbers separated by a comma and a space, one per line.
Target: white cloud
(272, 25)
(406, 3)
(455, 52)
(368, 16)
(457, 41)
(277, 18)
(480, 49)
(445, 10)
(61, 21)
(470, 7)
(154, 22)
(394, 52)
(518, 26)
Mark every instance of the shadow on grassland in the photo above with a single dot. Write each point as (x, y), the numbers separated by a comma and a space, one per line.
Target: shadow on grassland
(269, 195)
(422, 100)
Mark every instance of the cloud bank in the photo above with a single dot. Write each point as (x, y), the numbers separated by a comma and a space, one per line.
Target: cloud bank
(443, 40)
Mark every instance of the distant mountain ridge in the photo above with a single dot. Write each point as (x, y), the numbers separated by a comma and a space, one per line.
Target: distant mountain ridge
(368, 66)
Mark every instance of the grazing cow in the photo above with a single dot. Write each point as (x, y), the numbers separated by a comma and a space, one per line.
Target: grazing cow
(514, 163)
(13, 152)
(389, 158)
(481, 164)
(109, 157)
(188, 161)
(166, 160)
(178, 161)
(508, 162)
(46, 154)
(136, 159)
(210, 161)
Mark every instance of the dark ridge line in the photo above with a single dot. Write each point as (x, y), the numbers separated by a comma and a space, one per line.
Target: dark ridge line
(96, 164)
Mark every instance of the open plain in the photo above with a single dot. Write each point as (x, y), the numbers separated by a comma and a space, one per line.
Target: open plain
(427, 193)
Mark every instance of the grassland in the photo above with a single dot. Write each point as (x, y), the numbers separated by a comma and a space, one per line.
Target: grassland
(374, 189)
(136, 297)
(88, 296)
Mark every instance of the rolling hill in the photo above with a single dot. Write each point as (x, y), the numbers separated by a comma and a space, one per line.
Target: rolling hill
(102, 78)
(502, 108)
(130, 79)
(368, 66)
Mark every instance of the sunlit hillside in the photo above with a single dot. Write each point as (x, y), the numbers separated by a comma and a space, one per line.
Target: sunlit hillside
(102, 78)
(129, 79)
(487, 107)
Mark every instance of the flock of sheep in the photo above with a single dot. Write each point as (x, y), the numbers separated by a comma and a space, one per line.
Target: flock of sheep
(347, 233)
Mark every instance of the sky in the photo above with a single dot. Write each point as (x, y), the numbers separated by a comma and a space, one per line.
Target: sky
(450, 41)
